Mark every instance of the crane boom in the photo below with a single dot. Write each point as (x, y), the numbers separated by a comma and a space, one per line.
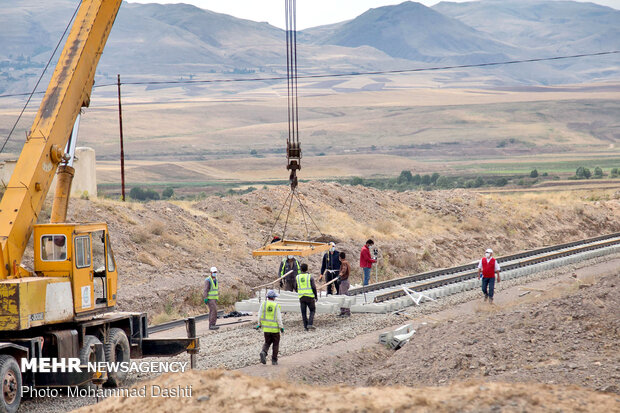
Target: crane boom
(68, 91)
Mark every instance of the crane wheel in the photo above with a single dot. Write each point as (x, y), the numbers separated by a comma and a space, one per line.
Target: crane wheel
(11, 384)
(117, 351)
(89, 355)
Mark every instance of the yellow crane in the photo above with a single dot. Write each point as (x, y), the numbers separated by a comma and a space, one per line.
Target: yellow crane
(64, 308)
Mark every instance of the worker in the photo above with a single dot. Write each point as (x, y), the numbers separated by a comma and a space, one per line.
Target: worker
(290, 263)
(270, 320)
(330, 268)
(345, 270)
(366, 261)
(306, 289)
(488, 270)
(211, 295)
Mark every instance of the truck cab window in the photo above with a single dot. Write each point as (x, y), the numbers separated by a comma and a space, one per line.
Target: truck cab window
(53, 248)
(111, 264)
(82, 252)
(99, 253)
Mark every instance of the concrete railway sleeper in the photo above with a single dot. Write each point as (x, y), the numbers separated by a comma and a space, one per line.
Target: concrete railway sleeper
(569, 246)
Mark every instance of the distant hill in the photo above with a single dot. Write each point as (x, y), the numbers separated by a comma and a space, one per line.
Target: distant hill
(180, 41)
(558, 26)
(415, 32)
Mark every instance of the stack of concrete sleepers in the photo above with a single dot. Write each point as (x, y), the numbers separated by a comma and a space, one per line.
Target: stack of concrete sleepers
(289, 302)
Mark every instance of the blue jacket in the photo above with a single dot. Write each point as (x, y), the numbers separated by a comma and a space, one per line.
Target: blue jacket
(331, 261)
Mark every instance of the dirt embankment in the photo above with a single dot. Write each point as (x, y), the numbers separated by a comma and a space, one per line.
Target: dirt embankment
(163, 249)
(222, 391)
(569, 340)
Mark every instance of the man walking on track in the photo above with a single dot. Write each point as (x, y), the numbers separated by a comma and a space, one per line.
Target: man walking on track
(366, 261)
(306, 289)
(488, 270)
(211, 295)
(270, 320)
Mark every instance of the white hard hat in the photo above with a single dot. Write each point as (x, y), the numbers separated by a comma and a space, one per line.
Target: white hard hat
(333, 244)
(489, 250)
(290, 257)
(213, 269)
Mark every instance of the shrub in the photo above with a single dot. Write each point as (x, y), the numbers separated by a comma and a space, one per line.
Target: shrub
(405, 176)
(615, 172)
(356, 180)
(582, 173)
(534, 173)
(167, 193)
(141, 194)
(598, 172)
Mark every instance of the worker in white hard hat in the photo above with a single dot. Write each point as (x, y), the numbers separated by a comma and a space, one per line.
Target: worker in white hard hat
(289, 263)
(211, 295)
(488, 270)
(270, 321)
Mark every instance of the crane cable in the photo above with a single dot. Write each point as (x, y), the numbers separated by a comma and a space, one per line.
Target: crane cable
(293, 148)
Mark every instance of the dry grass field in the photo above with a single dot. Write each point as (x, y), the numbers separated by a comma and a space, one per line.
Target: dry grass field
(198, 137)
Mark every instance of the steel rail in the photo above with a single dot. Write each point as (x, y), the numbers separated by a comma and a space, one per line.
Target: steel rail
(390, 295)
(474, 265)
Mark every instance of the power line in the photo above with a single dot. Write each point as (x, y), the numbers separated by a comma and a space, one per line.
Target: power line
(39, 80)
(349, 74)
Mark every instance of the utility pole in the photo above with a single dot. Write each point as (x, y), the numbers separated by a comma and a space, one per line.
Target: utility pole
(120, 122)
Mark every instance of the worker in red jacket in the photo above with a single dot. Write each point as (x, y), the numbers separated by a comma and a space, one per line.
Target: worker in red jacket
(488, 269)
(366, 261)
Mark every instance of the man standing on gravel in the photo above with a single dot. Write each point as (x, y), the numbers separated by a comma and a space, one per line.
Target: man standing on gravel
(290, 263)
(270, 320)
(488, 269)
(366, 261)
(306, 289)
(345, 270)
(330, 267)
(211, 295)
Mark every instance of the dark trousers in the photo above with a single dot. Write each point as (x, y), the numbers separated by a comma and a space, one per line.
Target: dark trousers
(212, 305)
(330, 276)
(488, 287)
(289, 285)
(307, 303)
(272, 338)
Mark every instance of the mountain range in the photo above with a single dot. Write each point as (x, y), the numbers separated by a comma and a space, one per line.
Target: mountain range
(178, 40)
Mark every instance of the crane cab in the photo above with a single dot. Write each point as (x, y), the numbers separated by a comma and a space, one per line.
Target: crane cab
(81, 252)
(74, 278)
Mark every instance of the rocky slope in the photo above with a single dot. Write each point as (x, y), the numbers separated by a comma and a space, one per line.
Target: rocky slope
(164, 248)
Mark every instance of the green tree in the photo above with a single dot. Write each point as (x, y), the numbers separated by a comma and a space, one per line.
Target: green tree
(137, 193)
(443, 182)
(416, 180)
(167, 193)
(583, 173)
(534, 173)
(405, 176)
(356, 180)
(478, 182)
(434, 178)
(598, 172)
(426, 180)
(501, 181)
(615, 172)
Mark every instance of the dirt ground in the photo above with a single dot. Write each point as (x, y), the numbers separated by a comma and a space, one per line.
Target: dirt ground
(546, 346)
(163, 249)
(223, 391)
(569, 339)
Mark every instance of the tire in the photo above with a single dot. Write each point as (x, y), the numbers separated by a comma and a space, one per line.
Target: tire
(11, 384)
(117, 350)
(88, 355)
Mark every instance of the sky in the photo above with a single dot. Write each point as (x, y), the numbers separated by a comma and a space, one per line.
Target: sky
(310, 13)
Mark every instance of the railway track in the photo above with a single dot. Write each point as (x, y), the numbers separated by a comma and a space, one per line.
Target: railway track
(392, 289)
